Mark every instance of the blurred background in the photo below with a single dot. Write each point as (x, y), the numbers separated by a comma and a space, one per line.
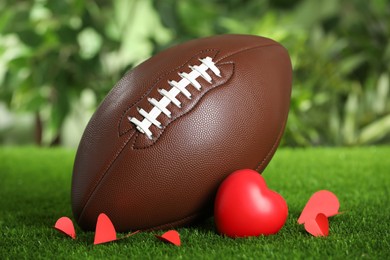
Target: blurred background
(58, 59)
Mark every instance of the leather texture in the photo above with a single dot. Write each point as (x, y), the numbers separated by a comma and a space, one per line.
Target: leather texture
(233, 123)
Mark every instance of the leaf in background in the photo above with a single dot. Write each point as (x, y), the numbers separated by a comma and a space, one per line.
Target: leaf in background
(90, 42)
(11, 48)
(271, 26)
(309, 13)
(375, 131)
(382, 94)
(334, 124)
(349, 64)
(349, 126)
(198, 19)
(136, 23)
(5, 17)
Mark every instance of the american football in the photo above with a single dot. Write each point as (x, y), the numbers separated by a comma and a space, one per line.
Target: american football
(173, 128)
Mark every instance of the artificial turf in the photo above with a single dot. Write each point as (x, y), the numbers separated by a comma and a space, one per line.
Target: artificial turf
(35, 192)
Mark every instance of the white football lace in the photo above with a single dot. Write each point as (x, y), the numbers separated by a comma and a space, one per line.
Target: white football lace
(160, 106)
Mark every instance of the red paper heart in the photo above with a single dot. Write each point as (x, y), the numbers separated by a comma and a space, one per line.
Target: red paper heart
(324, 202)
(65, 225)
(318, 226)
(171, 236)
(105, 231)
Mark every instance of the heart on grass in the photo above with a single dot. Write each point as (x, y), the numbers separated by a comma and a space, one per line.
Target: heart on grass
(171, 236)
(322, 201)
(319, 226)
(65, 225)
(105, 231)
(245, 206)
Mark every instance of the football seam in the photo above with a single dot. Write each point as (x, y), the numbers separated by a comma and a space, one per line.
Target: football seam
(177, 117)
(147, 92)
(274, 146)
(98, 183)
(247, 49)
(175, 223)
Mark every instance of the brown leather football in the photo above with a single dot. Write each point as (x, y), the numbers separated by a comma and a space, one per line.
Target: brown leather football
(164, 138)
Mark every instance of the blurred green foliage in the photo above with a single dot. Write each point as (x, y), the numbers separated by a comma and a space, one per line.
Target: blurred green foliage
(58, 56)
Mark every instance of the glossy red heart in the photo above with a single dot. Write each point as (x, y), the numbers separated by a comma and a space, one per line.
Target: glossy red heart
(105, 231)
(319, 226)
(65, 225)
(244, 206)
(171, 236)
(322, 201)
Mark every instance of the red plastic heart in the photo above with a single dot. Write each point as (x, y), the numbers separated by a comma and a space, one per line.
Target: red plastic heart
(324, 202)
(171, 236)
(65, 225)
(105, 231)
(318, 226)
(245, 206)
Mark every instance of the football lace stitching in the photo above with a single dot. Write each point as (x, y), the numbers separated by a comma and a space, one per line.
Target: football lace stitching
(150, 118)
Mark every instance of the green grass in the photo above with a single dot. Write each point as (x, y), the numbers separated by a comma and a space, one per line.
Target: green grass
(35, 192)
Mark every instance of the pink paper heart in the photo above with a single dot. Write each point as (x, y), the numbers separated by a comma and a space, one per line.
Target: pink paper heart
(65, 225)
(105, 231)
(324, 202)
(318, 226)
(171, 236)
